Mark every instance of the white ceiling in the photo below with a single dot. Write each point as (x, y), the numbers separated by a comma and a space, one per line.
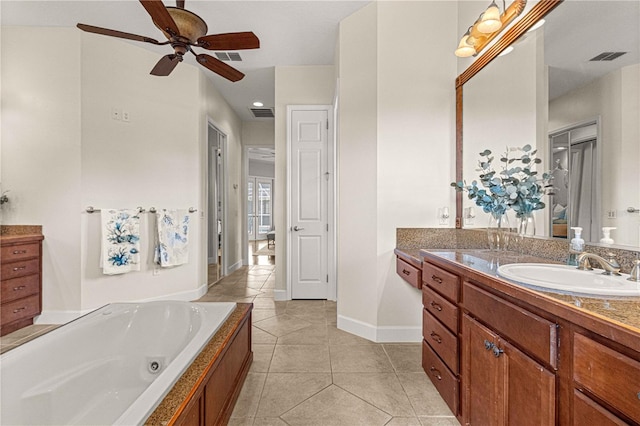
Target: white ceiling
(290, 33)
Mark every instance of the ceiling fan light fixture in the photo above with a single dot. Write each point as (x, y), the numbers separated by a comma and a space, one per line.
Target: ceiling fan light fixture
(490, 21)
(190, 25)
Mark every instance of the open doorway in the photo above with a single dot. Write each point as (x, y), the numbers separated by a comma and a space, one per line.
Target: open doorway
(216, 141)
(259, 178)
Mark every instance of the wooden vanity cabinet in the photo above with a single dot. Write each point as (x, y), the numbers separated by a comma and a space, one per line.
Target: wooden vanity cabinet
(409, 273)
(21, 285)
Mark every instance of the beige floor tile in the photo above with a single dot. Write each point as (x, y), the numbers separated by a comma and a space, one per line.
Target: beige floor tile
(249, 397)
(300, 359)
(339, 337)
(248, 421)
(281, 324)
(310, 317)
(305, 305)
(261, 337)
(405, 358)
(269, 421)
(335, 407)
(424, 397)
(262, 355)
(404, 421)
(269, 303)
(315, 334)
(262, 314)
(359, 359)
(382, 390)
(283, 391)
(439, 421)
(265, 292)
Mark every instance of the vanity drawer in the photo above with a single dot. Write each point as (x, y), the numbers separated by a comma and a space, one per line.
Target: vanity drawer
(20, 251)
(445, 283)
(588, 412)
(20, 268)
(27, 307)
(409, 273)
(532, 333)
(440, 308)
(443, 380)
(19, 287)
(608, 374)
(441, 340)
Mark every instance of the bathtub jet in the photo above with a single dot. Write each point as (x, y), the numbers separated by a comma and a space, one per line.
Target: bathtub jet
(112, 366)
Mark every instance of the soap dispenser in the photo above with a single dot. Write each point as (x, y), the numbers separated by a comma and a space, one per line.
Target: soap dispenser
(606, 235)
(576, 247)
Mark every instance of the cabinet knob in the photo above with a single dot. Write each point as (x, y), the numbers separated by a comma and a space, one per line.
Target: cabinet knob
(436, 373)
(435, 306)
(497, 351)
(19, 251)
(488, 345)
(404, 271)
(15, 311)
(436, 279)
(436, 337)
(20, 287)
(19, 268)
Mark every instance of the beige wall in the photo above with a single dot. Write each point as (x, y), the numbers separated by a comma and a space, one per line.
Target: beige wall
(395, 152)
(256, 133)
(303, 85)
(62, 152)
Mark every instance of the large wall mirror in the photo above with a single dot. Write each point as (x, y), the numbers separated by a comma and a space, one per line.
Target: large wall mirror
(571, 89)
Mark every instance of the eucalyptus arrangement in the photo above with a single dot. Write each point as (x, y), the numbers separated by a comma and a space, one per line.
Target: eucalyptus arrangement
(517, 186)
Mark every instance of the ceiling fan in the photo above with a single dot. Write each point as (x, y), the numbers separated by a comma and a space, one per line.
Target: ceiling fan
(184, 30)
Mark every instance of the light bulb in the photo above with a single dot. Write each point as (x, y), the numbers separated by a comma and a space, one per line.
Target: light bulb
(490, 21)
(464, 49)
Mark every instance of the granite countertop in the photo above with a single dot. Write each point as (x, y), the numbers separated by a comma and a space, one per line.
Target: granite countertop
(624, 311)
(19, 233)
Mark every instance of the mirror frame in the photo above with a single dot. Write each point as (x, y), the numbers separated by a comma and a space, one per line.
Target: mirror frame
(539, 11)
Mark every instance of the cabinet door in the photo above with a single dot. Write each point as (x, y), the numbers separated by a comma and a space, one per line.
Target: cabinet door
(530, 389)
(481, 375)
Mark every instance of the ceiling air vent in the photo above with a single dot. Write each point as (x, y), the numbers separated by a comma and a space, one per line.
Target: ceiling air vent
(262, 112)
(607, 56)
(229, 56)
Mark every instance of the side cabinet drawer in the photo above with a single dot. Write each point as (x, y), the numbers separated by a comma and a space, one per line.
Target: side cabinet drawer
(608, 374)
(443, 380)
(19, 287)
(445, 283)
(409, 273)
(441, 340)
(20, 309)
(532, 333)
(20, 251)
(587, 412)
(20, 268)
(440, 308)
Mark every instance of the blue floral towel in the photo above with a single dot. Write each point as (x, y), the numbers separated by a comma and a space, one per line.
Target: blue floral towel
(173, 244)
(120, 241)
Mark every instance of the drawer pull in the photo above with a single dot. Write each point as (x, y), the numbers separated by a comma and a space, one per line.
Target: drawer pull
(488, 345)
(20, 287)
(497, 352)
(436, 337)
(19, 251)
(435, 306)
(404, 271)
(15, 311)
(19, 268)
(436, 373)
(436, 279)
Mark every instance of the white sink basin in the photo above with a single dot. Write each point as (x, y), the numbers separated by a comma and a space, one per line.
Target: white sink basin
(569, 279)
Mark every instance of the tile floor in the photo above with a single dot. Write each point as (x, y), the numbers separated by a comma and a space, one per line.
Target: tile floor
(307, 372)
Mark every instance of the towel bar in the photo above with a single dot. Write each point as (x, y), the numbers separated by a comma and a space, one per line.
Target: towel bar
(91, 209)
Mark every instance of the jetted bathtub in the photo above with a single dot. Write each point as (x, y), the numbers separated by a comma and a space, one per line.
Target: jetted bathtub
(112, 366)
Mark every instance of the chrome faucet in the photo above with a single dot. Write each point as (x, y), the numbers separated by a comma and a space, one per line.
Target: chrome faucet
(611, 266)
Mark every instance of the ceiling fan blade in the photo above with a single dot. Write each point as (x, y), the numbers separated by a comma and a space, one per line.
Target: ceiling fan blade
(166, 64)
(114, 33)
(160, 15)
(230, 41)
(219, 67)
(180, 4)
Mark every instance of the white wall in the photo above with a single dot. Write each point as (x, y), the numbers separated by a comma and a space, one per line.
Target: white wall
(308, 85)
(396, 154)
(62, 152)
(614, 98)
(256, 133)
(41, 149)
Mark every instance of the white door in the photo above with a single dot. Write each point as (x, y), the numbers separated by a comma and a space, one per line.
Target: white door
(308, 203)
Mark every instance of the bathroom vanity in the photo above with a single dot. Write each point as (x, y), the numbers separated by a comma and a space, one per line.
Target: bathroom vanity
(500, 353)
(21, 286)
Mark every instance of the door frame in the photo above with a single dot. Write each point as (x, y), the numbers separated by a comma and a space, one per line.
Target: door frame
(222, 141)
(331, 198)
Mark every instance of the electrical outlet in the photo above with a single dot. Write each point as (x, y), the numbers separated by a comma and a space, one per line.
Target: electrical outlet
(125, 115)
(611, 214)
(116, 114)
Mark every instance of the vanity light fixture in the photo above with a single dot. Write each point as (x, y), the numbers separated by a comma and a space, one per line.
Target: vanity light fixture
(487, 27)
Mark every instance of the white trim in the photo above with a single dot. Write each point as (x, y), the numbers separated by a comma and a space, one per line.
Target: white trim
(235, 266)
(222, 142)
(280, 295)
(63, 317)
(331, 198)
(383, 334)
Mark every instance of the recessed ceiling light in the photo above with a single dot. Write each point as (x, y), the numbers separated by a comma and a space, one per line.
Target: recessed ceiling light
(536, 26)
(506, 51)
(258, 104)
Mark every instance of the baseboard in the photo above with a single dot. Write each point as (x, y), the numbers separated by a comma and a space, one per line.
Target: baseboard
(235, 266)
(63, 317)
(280, 295)
(380, 334)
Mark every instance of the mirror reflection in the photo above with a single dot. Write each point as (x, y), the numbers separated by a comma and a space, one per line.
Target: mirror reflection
(571, 88)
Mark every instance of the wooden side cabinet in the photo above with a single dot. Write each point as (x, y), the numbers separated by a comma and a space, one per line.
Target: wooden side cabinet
(21, 285)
